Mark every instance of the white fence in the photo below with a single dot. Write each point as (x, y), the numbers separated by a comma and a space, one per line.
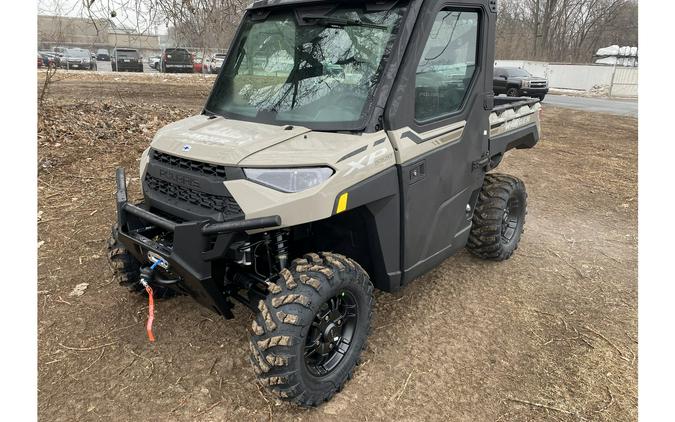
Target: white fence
(619, 81)
(625, 82)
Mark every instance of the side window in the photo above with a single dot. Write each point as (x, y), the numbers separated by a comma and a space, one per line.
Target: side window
(447, 64)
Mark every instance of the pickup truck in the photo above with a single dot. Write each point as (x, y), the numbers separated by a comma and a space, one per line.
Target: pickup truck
(516, 82)
(344, 147)
(177, 60)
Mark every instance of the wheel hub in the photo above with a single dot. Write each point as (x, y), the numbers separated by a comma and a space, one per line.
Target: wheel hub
(510, 220)
(330, 334)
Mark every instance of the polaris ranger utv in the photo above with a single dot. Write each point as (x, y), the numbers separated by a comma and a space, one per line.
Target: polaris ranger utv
(344, 147)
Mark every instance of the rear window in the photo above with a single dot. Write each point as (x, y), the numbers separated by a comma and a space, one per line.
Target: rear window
(177, 52)
(127, 54)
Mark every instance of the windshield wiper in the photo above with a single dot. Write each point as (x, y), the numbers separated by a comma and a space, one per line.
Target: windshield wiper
(332, 20)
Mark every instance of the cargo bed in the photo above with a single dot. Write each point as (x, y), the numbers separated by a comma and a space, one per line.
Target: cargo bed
(514, 123)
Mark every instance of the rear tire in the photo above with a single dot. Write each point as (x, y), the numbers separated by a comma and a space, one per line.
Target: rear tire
(499, 218)
(127, 269)
(310, 331)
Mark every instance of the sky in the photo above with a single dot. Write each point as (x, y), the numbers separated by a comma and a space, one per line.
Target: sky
(126, 12)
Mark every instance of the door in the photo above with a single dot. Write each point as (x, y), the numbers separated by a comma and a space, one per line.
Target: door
(436, 118)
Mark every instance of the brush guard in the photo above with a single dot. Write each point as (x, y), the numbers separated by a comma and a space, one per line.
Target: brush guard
(194, 254)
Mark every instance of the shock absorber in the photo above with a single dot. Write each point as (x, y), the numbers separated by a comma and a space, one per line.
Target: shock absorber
(279, 248)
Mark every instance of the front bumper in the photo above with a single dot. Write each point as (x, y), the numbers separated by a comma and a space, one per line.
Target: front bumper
(534, 91)
(194, 250)
(129, 67)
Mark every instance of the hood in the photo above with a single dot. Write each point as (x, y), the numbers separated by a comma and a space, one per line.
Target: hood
(219, 140)
(528, 78)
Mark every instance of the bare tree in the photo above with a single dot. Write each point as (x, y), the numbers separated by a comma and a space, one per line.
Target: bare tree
(202, 23)
(563, 30)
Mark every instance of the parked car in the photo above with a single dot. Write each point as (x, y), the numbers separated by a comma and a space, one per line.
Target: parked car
(49, 58)
(126, 60)
(45, 58)
(207, 64)
(517, 82)
(40, 61)
(103, 55)
(198, 63)
(177, 60)
(154, 61)
(77, 58)
(216, 63)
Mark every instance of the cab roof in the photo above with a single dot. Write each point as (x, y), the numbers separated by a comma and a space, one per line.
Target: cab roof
(260, 4)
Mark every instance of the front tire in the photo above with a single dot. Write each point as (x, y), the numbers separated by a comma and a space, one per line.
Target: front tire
(513, 92)
(499, 218)
(310, 331)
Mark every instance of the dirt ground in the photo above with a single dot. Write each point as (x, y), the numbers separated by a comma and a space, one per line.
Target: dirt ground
(550, 334)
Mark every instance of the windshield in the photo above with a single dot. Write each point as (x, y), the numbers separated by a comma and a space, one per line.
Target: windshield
(78, 53)
(316, 70)
(519, 72)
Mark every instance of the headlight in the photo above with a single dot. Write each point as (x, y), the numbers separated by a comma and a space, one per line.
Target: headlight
(524, 84)
(290, 180)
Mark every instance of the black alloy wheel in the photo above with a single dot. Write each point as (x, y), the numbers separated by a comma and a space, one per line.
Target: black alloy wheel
(309, 332)
(331, 333)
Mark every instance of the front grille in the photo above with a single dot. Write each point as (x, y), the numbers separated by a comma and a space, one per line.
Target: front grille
(538, 84)
(225, 204)
(187, 164)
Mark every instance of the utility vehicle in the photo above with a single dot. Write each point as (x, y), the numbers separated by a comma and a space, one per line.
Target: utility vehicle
(344, 147)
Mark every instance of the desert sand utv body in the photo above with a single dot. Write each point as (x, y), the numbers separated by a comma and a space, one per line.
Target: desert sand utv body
(344, 147)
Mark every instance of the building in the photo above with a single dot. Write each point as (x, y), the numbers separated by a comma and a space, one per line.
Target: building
(127, 38)
(91, 34)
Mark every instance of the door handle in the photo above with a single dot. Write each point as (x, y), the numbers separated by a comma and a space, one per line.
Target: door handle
(417, 172)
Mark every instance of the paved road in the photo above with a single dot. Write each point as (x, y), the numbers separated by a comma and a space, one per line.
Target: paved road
(599, 105)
